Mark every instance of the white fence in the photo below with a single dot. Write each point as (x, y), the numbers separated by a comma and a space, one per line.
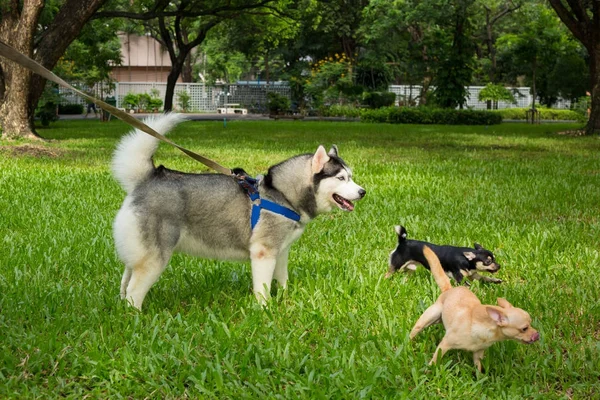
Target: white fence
(409, 95)
(206, 98)
(253, 95)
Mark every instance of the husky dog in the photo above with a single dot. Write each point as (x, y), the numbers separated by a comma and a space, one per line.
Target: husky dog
(208, 215)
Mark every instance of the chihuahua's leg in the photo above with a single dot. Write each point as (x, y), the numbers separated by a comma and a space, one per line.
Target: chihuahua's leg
(431, 316)
(488, 279)
(477, 356)
(443, 347)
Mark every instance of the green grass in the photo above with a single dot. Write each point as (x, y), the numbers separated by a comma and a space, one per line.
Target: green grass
(340, 330)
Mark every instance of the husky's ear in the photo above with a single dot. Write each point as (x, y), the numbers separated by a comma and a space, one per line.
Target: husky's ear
(498, 316)
(319, 160)
(333, 151)
(478, 246)
(470, 255)
(503, 303)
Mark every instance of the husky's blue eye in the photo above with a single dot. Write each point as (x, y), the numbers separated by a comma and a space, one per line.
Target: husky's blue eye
(341, 178)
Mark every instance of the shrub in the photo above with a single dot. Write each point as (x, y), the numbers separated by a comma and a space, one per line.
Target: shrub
(340, 111)
(131, 101)
(379, 99)
(47, 113)
(552, 114)
(424, 115)
(155, 102)
(144, 101)
(331, 82)
(496, 93)
(70, 109)
(184, 99)
(277, 103)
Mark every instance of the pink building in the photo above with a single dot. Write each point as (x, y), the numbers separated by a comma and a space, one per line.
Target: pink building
(143, 59)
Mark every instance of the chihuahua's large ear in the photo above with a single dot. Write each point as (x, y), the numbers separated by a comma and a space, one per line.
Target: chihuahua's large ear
(498, 316)
(333, 151)
(319, 160)
(478, 246)
(504, 303)
(470, 255)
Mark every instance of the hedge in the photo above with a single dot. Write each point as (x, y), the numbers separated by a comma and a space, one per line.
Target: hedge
(70, 109)
(552, 114)
(425, 115)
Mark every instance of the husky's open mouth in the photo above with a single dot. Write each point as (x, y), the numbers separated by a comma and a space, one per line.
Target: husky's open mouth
(343, 203)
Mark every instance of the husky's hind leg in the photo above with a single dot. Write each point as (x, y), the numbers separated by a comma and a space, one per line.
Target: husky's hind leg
(125, 281)
(144, 274)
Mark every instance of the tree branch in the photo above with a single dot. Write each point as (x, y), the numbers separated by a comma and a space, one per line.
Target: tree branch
(155, 13)
(579, 10)
(567, 18)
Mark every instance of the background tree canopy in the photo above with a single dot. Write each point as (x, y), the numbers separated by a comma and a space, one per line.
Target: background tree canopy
(440, 46)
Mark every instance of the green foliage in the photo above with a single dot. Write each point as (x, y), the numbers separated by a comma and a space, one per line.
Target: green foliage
(131, 101)
(277, 103)
(46, 110)
(496, 93)
(339, 330)
(184, 100)
(553, 114)
(532, 48)
(331, 82)
(70, 109)
(144, 102)
(582, 106)
(426, 115)
(378, 99)
(90, 58)
(336, 110)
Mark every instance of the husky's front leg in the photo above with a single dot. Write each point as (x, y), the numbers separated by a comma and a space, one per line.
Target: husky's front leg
(281, 270)
(263, 262)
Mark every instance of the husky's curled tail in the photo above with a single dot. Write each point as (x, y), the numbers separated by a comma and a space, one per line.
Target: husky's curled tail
(132, 160)
(437, 271)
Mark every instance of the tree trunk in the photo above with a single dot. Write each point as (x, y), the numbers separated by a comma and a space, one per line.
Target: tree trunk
(187, 70)
(533, 90)
(63, 30)
(17, 29)
(593, 125)
(21, 89)
(171, 82)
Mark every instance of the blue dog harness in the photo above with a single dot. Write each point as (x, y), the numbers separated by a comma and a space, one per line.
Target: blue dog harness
(249, 186)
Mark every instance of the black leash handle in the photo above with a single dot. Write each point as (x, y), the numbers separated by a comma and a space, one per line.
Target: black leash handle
(21, 59)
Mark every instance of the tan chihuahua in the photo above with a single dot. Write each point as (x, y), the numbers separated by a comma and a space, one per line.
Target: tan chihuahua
(470, 325)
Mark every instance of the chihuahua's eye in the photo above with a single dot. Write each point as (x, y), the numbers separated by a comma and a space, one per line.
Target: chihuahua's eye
(341, 178)
(524, 329)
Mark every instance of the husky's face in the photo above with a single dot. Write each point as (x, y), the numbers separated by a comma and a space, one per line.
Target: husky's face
(333, 182)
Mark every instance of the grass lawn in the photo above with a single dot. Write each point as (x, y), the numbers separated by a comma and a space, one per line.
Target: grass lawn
(340, 330)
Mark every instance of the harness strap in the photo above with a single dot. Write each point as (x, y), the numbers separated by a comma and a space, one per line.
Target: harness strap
(258, 203)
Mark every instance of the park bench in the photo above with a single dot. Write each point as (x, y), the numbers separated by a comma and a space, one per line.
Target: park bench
(232, 108)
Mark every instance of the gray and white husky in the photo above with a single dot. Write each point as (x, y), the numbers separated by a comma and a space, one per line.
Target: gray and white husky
(208, 215)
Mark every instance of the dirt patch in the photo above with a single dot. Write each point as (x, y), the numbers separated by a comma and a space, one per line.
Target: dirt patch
(575, 132)
(30, 150)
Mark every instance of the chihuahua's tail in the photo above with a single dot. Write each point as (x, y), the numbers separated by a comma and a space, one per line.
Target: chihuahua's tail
(437, 271)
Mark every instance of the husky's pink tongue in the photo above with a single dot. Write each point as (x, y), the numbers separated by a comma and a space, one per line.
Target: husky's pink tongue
(343, 203)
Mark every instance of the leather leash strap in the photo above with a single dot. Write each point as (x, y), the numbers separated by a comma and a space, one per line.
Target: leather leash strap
(21, 59)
